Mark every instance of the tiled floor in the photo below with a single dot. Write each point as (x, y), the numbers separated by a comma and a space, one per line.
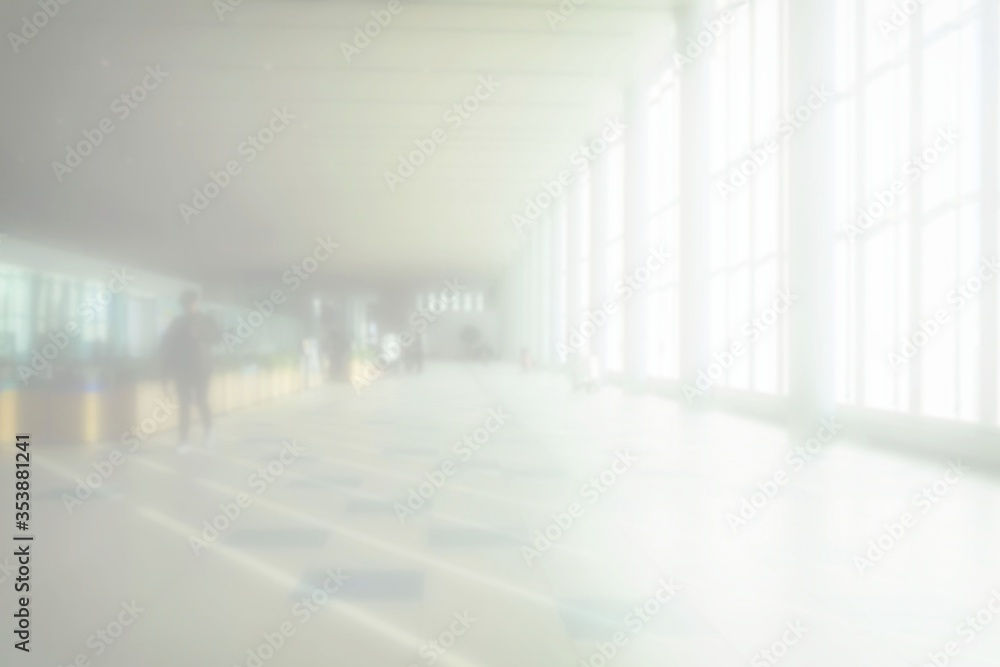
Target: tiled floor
(640, 562)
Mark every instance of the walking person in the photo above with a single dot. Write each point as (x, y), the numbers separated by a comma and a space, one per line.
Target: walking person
(187, 361)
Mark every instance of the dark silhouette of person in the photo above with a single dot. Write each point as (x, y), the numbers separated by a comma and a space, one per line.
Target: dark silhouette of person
(187, 360)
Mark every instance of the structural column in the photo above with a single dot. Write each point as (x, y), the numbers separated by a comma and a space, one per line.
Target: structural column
(544, 288)
(695, 191)
(635, 241)
(574, 241)
(811, 222)
(991, 207)
(557, 255)
(599, 206)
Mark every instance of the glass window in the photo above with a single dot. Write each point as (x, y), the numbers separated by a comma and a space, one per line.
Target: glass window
(910, 194)
(746, 225)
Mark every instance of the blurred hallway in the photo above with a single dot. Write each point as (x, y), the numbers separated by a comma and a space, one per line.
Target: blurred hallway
(460, 569)
(534, 333)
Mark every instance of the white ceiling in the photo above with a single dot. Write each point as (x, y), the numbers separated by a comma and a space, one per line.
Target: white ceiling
(324, 174)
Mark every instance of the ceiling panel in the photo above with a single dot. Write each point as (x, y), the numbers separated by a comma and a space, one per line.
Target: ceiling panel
(353, 120)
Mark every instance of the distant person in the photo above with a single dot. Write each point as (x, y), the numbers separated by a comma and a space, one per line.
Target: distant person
(187, 360)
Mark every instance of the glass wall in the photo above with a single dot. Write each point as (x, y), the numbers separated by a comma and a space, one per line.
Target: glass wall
(15, 308)
(915, 250)
(910, 195)
(36, 306)
(94, 321)
(748, 135)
